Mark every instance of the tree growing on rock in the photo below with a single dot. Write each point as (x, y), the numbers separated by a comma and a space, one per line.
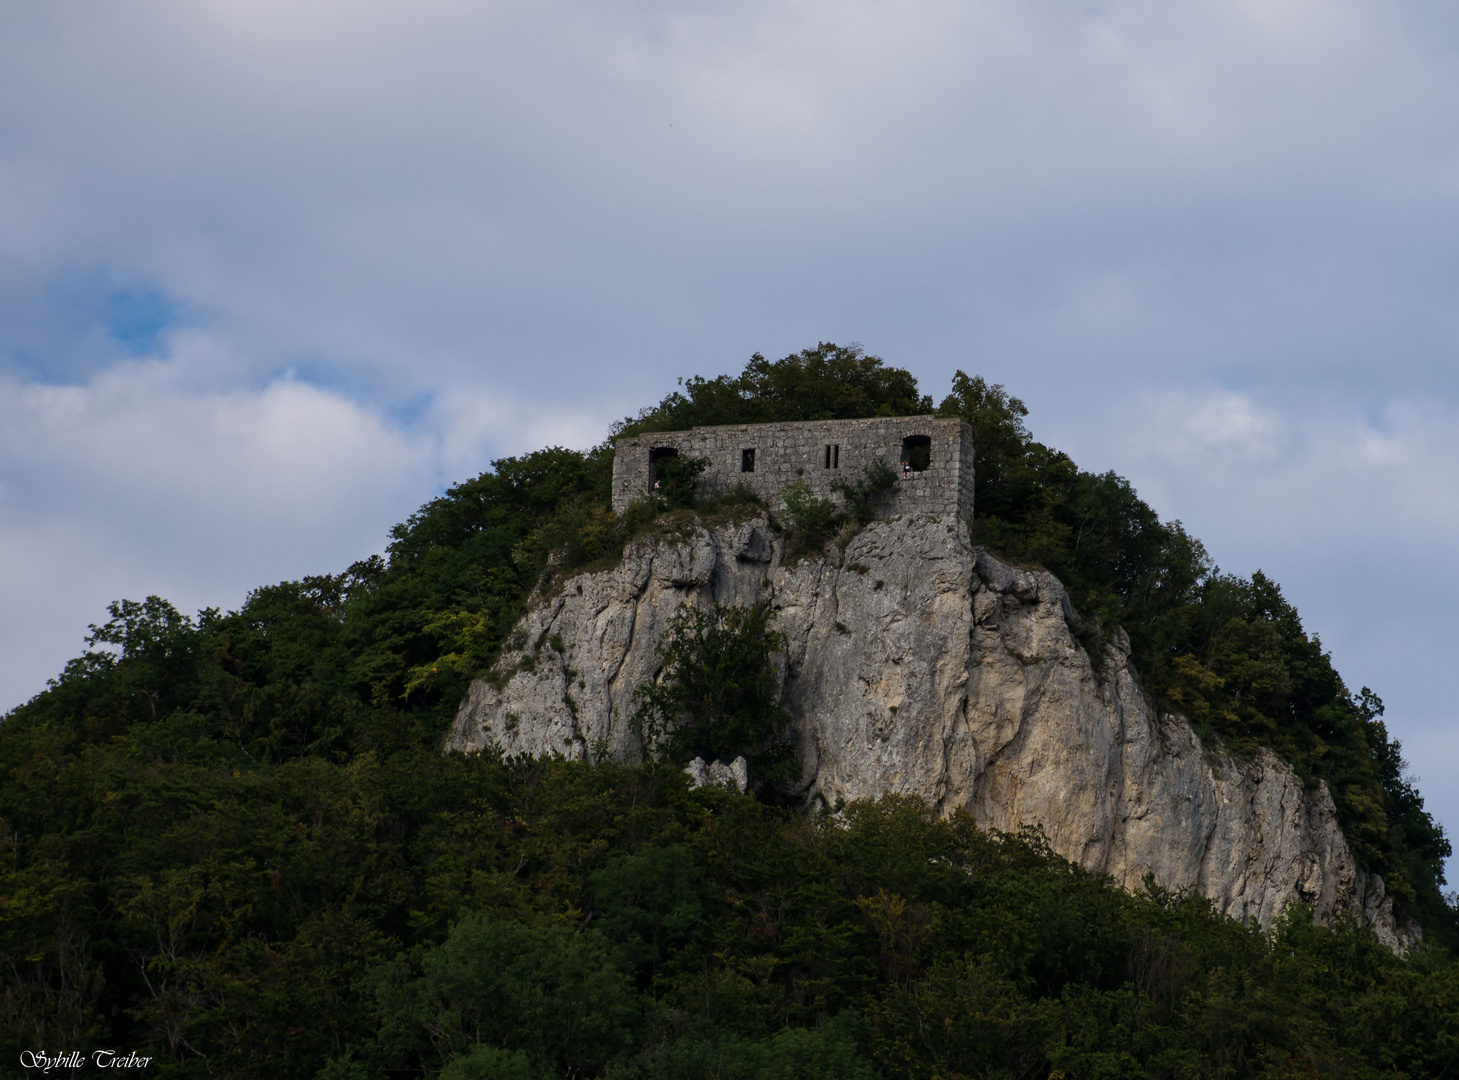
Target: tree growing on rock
(717, 694)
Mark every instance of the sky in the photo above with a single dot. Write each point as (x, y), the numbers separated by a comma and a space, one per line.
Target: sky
(274, 274)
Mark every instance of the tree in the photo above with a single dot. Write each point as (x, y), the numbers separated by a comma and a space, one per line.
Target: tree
(829, 382)
(999, 436)
(717, 696)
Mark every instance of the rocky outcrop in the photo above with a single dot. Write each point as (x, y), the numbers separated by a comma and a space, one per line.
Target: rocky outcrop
(736, 774)
(919, 664)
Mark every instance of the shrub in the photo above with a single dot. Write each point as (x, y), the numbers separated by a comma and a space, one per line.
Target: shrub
(810, 521)
(867, 496)
(677, 477)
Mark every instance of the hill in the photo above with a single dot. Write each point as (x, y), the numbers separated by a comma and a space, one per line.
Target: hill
(233, 840)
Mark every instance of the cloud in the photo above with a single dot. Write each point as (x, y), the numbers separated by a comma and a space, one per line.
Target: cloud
(150, 478)
(477, 425)
(1285, 471)
(139, 432)
(137, 482)
(497, 190)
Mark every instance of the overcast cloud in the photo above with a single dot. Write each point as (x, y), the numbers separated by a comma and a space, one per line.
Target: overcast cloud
(272, 274)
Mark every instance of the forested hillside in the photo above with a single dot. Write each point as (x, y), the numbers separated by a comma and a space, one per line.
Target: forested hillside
(233, 839)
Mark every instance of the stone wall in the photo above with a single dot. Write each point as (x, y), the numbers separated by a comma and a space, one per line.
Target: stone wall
(819, 452)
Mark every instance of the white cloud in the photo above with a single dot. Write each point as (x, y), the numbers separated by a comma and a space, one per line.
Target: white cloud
(1194, 428)
(137, 483)
(151, 479)
(1306, 475)
(139, 432)
(477, 424)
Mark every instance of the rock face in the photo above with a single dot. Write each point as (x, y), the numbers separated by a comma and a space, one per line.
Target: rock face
(921, 665)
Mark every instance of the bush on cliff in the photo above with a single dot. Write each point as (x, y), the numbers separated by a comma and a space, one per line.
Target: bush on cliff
(809, 522)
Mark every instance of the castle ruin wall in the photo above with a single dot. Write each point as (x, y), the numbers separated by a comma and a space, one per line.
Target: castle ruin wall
(770, 457)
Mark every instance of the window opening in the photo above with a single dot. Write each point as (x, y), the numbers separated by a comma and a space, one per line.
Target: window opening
(747, 460)
(656, 460)
(916, 453)
(833, 455)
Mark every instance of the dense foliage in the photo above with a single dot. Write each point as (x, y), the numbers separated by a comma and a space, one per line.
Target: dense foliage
(408, 913)
(233, 839)
(829, 382)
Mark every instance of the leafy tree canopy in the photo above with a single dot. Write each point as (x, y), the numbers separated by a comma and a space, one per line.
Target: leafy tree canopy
(419, 914)
(829, 382)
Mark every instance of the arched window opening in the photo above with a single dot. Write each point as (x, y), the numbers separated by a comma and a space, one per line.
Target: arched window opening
(916, 453)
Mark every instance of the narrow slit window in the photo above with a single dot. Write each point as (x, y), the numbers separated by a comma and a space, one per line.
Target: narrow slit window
(835, 455)
(828, 455)
(747, 460)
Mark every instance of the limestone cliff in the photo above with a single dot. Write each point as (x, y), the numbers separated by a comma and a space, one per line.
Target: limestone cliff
(920, 664)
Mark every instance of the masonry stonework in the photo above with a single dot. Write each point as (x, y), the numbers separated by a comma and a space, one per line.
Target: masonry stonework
(770, 457)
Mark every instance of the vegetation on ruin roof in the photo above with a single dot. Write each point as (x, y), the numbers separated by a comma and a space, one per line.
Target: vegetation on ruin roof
(829, 382)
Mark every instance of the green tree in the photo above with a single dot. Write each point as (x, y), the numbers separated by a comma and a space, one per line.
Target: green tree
(829, 382)
(717, 695)
(1000, 438)
(677, 477)
(561, 1000)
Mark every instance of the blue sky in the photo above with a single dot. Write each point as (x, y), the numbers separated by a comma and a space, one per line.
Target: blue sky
(272, 273)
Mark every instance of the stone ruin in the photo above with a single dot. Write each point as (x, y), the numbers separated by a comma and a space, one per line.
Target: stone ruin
(933, 460)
